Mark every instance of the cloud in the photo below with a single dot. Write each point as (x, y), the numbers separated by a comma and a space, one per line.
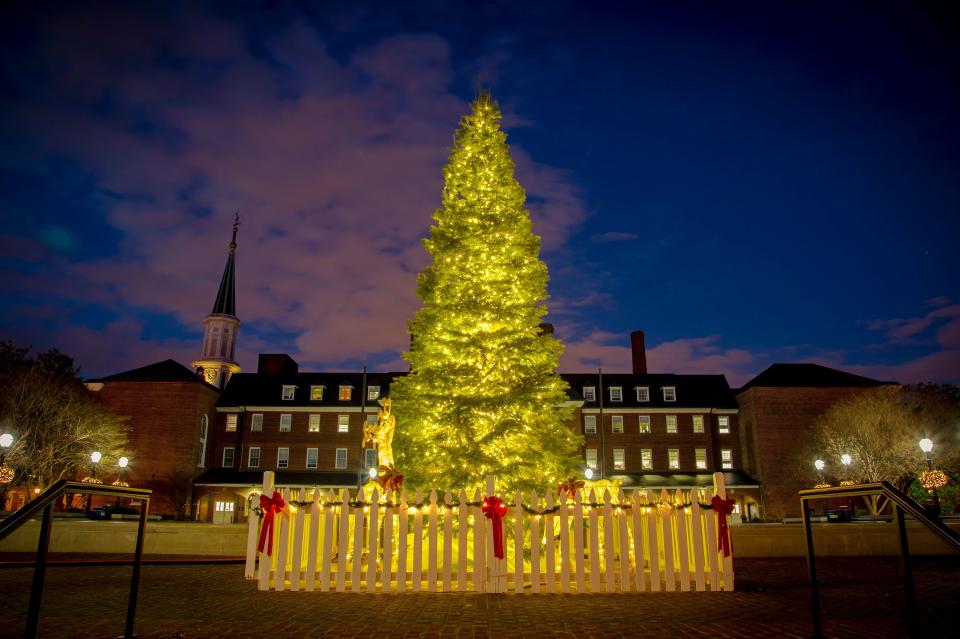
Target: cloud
(614, 236)
(938, 331)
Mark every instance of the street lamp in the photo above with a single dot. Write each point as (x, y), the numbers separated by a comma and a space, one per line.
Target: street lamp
(926, 445)
(373, 472)
(588, 473)
(95, 458)
(819, 464)
(6, 474)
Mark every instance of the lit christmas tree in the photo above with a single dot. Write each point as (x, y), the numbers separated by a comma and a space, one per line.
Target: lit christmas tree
(483, 396)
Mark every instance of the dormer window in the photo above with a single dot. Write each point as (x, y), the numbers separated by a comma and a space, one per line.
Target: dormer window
(643, 393)
(616, 393)
(287, 393)
(316, 393)
(346, 392)
(669, 393)
(589, 393)
(373, 393)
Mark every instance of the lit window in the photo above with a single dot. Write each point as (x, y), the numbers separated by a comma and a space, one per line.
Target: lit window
(701, 455)
(283, 457)
(673, 456)
(369, 457)
(372, 420)
(285, 421)
(287, 393)
(314, 426)
(589, 424)
(311, 458)
(644, 423)
(698, 423)
(616, 393)
(671, 423)
(256, 422)
(253, 457)
(589, 394)
(341, 458)
(669, 393)
(619, 460)
(591, 457)
(646, 459)
(616, 423)
(228, 457)
(643, 393)
(343, 423)
(726, 458)
(232, 423)
(202, 452)
(346, 392)
(316, 393)
(373, 393)
(723, 422)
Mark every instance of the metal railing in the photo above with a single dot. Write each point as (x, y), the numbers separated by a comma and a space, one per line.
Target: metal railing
(46, 502)
(899, 503)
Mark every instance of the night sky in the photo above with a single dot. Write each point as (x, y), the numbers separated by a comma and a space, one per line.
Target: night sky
(748, 183)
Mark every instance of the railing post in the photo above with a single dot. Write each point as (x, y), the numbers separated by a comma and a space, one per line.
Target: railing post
(135, 578)
(36, 592)
(913, 622)
(812, 570)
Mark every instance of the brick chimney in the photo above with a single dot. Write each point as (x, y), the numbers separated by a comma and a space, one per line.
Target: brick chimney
(276, 364)
(639, 353)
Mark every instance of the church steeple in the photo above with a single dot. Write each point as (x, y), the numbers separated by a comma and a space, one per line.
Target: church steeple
(221, 326)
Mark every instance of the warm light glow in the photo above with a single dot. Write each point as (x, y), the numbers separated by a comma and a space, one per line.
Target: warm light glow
(588, 473)
(123, 461)
(819, 464)
(6, 440)
(96, 456)
(846, 459)
(374, 472)
(926, 445)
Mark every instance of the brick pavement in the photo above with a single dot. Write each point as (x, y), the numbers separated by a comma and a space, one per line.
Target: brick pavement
(862, 597)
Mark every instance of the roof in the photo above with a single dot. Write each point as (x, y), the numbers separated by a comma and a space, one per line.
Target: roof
(166, 371)
(809, 376)
(264, 389)
(692, 391)
(731, 479)
(226, 295)
(233, 477)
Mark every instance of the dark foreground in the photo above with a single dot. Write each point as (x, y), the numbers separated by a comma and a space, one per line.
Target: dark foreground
(862, 597)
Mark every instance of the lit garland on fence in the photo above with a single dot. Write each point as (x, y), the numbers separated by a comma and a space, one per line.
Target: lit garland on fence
(6, 474)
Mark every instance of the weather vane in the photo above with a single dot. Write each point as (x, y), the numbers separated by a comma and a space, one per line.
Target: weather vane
(236, 223)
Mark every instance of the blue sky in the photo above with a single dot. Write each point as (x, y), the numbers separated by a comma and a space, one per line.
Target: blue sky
(747, 183)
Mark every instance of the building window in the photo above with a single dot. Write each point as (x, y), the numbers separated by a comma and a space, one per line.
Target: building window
(286, 420)
(616, 393)
(283, 457)
(287, 393)
(369, 458)
(669, 393)
(311, 458)
(671, 423)
(646, 459)
(723, 422)
(698, 423)
(643, 393)
(343, 423)
(372, 420)
(616, 423)
(619, 460)
(701, 454)
(232, 423)
(341, 458)
(253, 457)
(316, 393)
(314, 426)
(202, 452)
(726, 458)
(589, 424)
(228, 457)
(644, 423)
(373, 393)
(591, 458)
(673, 458)
(346, 392)
(256, 422)
(589, 394)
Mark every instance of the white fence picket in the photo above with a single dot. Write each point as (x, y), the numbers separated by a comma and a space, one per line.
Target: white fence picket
(550, 564)
(624, 549)
(357, 554)
(479, 547)
(727, 562)
(666, 520)
(403, 512)
(343, 539)
(696, 530)
(711, 533)
(609, 564)
(313, 536)
(432, 544)
(517, 541)
(683, 541)
(462, 525)
(283, 523)
(389, 513)
(578, 542)
(418, 542)
(653, 546)
(564, 543)
(373, 524)
(263, 581)
(328, 518)
(296, 554)
(534, 545)
(640, 575)
(593, 531)
(447, 540)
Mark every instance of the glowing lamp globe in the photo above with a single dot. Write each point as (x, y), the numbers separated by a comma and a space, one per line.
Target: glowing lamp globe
(819, 464)
(373, 473)
(846, 459)
(926, 445)
(123, 461)
(588, 473)
(96, 456)
(6, 440)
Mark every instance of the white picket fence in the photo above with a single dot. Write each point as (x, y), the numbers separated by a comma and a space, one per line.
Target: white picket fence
(634, 542)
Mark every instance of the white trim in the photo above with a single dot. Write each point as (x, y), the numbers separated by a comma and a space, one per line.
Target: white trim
(280, 408)
(670, 410)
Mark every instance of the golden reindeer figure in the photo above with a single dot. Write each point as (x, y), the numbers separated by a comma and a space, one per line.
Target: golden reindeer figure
(381, 434)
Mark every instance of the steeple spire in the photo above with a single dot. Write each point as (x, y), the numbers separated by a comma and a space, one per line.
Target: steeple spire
(226, 295)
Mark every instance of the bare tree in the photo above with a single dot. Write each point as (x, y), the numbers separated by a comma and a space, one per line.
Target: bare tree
(178, 492)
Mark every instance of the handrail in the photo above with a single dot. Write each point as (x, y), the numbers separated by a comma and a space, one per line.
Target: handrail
(45, 502)
(57, 490)
(900, 503)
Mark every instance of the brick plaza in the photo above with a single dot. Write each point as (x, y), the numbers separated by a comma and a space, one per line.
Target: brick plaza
(862, 597)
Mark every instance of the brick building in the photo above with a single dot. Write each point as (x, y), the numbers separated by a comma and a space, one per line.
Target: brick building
(777, 410)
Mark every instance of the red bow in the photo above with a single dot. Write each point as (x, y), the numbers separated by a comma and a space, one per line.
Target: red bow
(270, 507)
(390, 478)
(570, 486)
(495, 509)
(723, 507)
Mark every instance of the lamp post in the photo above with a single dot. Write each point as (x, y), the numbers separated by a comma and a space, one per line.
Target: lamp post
(95, 458)
(820, 465)
(122, 463)
(6, 474)
(846, 460)
(926, 445)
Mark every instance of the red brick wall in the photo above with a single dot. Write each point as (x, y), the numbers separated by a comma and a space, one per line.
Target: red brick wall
(164, 436)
